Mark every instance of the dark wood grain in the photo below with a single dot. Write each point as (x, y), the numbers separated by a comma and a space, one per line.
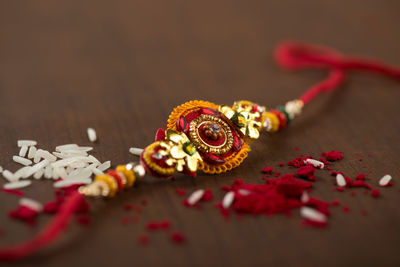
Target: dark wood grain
(121, 66)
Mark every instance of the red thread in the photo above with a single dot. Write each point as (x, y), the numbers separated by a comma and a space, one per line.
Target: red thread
(53, 229)
(292, 55)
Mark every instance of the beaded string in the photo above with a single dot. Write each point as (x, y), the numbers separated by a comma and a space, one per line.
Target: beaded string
(290, 56)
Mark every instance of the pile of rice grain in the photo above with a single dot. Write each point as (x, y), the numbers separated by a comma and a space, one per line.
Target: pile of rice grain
(69, 164)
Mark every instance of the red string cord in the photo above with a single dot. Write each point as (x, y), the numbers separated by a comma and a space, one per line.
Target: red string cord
(290, 56)
(293, 55)
(51, 231)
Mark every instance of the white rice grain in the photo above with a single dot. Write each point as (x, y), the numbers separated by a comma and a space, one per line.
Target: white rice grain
(28, 143)
(44, 154)
(104, 166)
(22, 151)
(1, 169)
(66, 147)
(312, 215)
(38, 174)
(97, 171)
(9, 176)
(30, 203)
(315, 163)
(195, 197)
(17, 184)
(384, 181)
(340, 181)
(92, 135)
(22, 161)
(37, 167)
(228, 199)
(69, 182)
(48, 171)
(32, 152)
(136, 151)
(21, 173)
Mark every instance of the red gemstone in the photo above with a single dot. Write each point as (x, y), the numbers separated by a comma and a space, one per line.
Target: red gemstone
(182, 125)
(213, 159)
(160, 135)
(237, 143)
(209, 111)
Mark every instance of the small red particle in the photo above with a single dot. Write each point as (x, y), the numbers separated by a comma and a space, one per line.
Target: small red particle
(225, 188)
(346, 209)
(369, 155)
(333, 173)
(143, 239)
(165, 225)
(332, 155)
(296, 148)
(267, 170)
(152, 226)
(340, 189)
(143, 201)
(208, 196)
(13, 192)
(25, 214)
(84, 220)
(281, 164)
(307, 172)
(364, 213)
(360, 176)
(360, 159)
(312, 223)
(128, 207)
(180, 192)
(375, 193)
(177, 237)
(335, 203)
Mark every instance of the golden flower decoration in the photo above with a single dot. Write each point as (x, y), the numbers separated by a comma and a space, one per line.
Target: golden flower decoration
(180, 151)
(242, 114)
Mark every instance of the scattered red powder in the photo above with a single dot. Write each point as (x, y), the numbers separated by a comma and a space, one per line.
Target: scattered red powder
(360, 176)
(177, 237)
(296, 148)
(360, 159)
(375, 193)
(143, 201)
(306, 172)
(25, 214)
(346, 209)
(180, 192)
(208, 196)
(281, 164)
(128, 207)
(332, 155)
(312, 223)
(335, 203)
(143, 239)
(162, 225)
(276, 196)
(353, 193)
(84, 220)
(364, 213)
(267, 170)
(138, 209)
(13, 192)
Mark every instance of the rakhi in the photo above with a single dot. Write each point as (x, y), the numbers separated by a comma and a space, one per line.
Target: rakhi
(203, 136)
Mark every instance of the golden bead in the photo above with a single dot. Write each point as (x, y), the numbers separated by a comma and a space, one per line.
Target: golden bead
(274, 121)
(110, 181)
(129, 175)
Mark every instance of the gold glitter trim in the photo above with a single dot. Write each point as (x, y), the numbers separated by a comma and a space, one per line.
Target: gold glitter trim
(231, 162)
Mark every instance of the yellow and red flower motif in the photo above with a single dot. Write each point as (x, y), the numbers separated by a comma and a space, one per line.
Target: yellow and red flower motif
(247, 116)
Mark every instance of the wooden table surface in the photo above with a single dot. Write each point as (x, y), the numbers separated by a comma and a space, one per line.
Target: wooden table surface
(121, 66)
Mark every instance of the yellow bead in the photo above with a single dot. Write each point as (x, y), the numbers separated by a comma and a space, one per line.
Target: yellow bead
(112, 184)
(274, 121)
(129, 175)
